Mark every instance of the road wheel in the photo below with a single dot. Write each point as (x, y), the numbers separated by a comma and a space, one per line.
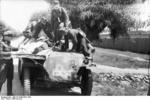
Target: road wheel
(86, 82)
(27, 84)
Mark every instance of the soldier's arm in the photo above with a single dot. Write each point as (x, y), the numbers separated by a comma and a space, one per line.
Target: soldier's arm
(36, 30)
(5, 45)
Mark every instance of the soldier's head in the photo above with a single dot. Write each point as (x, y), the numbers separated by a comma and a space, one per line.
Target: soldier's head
(55, 2)
(43, 20)
(8, 35)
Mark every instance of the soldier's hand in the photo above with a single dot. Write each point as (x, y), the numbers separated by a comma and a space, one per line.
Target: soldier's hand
(61, 25)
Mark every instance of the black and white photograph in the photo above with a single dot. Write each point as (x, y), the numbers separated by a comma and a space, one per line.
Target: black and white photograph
(74, 48)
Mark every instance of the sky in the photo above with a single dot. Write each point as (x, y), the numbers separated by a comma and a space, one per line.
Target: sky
(17, 13)
(144, 10)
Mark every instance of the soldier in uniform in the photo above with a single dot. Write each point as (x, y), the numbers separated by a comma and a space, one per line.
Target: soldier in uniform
(78, 39)
(59, 18)
(6, 65)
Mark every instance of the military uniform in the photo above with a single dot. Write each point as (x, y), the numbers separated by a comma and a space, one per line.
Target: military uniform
(79, 40)
(6, 66)
(59, 19)
(34, 28)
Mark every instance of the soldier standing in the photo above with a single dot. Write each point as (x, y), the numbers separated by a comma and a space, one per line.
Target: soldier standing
(6, 66)
(59, 19)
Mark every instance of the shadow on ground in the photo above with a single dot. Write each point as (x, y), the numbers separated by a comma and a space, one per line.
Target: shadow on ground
(53, 92)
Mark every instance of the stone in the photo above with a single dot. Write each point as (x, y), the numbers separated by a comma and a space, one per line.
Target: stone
(125, 83)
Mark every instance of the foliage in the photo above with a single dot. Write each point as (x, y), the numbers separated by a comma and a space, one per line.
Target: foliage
(94, 17)
(123, 2)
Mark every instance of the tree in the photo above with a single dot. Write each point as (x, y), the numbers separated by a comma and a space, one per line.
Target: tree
(94, 17)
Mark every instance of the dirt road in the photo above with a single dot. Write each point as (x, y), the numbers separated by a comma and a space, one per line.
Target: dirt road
(121, 59)
(104, 68)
